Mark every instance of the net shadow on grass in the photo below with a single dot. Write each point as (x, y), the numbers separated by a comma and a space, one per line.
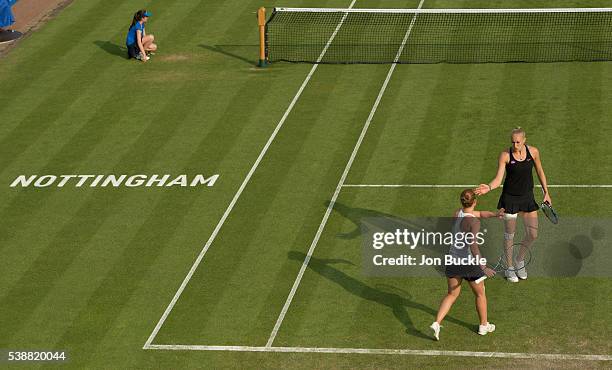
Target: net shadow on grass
(111, 48)
(398, 304)
(244, 53)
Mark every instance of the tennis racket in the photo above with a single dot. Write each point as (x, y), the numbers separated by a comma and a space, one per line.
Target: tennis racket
(501, 262)
(549, 211)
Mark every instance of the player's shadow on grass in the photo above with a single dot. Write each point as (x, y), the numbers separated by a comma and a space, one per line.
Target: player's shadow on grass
(357, 215)
(398, 304)
(239, 52)
(365, 220)
(111, 48)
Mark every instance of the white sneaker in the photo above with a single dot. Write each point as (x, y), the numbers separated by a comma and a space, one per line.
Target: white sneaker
(521, 271)
(511, 276)
(484, 329)
(436, 329)
(141, 57)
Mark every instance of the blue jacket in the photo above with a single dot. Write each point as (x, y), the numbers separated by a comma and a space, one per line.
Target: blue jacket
(6, 15)
(131, 36)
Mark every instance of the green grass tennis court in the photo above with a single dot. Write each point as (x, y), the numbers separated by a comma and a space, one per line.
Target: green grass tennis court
(303, 155)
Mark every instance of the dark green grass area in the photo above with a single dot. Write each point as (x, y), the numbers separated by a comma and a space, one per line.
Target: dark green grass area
(91, 270)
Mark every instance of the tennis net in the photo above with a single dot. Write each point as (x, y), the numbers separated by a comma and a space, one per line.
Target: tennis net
(439, 35)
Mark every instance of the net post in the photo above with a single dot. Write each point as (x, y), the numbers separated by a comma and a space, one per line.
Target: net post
(261, 22)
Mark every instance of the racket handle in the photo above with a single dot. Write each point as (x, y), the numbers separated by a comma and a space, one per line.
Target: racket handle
(481, 279)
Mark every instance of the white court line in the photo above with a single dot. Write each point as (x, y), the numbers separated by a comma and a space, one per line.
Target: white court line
(407, 186)
(198, 260)
(374, 351)
(313, 245)
(465, 186)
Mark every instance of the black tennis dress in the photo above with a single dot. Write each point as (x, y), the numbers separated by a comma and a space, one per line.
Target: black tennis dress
(517, 194)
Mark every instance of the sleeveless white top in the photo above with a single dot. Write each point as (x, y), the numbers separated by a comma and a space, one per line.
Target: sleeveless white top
(460, 250)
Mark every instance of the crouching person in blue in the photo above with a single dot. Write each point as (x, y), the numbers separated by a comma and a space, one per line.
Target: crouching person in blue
(139, 44)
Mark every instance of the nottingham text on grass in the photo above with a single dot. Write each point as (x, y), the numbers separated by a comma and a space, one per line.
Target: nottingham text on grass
(130, 181)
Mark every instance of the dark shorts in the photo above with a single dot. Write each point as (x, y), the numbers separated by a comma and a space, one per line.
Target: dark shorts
(467, 272)
(133, 50)
(517, 203)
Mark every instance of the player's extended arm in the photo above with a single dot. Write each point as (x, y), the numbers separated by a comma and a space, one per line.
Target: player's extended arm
(489, 214)
(475, 249)
(541, 175)
(482, 189)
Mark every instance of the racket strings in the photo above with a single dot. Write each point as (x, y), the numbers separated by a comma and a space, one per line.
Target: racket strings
(550, 213)
(511, 254)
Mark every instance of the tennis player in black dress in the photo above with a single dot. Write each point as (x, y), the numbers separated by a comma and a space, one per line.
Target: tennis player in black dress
(517, 198)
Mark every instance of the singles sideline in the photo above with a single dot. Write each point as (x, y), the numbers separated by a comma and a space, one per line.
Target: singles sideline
(130, 181)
